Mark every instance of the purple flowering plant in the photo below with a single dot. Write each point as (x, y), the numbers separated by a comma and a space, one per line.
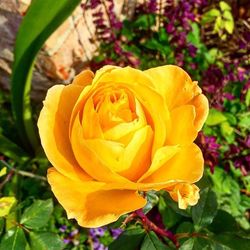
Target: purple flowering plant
(210, 40)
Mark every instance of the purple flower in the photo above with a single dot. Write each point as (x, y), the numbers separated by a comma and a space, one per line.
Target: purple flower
(192, 50)
(228, 96)
(210, 149)
(116, 232)
(152, 6)
(66, 241)
(74, 232)
(63, 228)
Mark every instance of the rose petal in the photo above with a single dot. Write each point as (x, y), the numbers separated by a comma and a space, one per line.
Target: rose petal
(89, 159)
(185, 166)
(84, 78)
(162, 155)
(200, 103)
(174, 84)
(137, 154)
(89, 204)
(53, 124)
(124, 132)
(182, 130)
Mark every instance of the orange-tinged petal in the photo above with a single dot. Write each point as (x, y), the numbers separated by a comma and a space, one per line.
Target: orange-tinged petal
(137, 154)
(105, 69)
(53, 125)
(89, 204)
(88, 158)
(84, 78)
(110, 153)
(162, 155)
(185, 166)
(124, 132)
(90, 121)
(182, 130)
(200, 103)
(185, 194)
(174, 84)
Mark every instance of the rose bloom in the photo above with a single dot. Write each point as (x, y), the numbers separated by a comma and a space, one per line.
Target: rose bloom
(113, 135)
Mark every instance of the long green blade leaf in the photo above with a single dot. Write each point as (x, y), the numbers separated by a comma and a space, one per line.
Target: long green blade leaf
(42, 18)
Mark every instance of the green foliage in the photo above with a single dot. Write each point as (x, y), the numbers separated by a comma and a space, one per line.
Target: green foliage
(43, 240)
(14, 240)
(31, 232)
(222, 19)
(31, 37)
(204, 212)
(37, 215)
(152, 242)
(215, 117)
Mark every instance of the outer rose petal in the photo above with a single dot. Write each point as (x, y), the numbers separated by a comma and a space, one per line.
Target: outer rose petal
(89, 204)
(182, 130)
(200, 103)
(174, 84)
(53, 124)
(84, 78)
(162, 155)
(185, 166)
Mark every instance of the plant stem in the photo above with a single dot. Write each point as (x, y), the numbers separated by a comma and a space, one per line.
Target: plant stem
(23, 173)
(150, 225)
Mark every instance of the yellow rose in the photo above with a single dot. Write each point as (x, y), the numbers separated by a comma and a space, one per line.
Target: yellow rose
(112, 135)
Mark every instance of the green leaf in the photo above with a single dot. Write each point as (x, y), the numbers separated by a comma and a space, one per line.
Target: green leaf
(3, 171)
(2, 226)
(229, 22)
(212, 55)
(37, 215)
(223, 222)
(204, 244)
(247, 101)
(48, 15)
(14, 239)
(218, 25)
(227, 132)
(145, 21)
(210, 16)
(244, 120)
(152, 242)
(44, 241)
(169, 216)
(232, 241)
(224, 6)
(12, 150)
(194, 36)
(231, 118)
(204, 212)
(195, 244)
(215, 117)
(6, 204)
(129, 240)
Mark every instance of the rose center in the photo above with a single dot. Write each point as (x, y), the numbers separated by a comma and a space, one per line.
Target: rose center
(114, 106)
